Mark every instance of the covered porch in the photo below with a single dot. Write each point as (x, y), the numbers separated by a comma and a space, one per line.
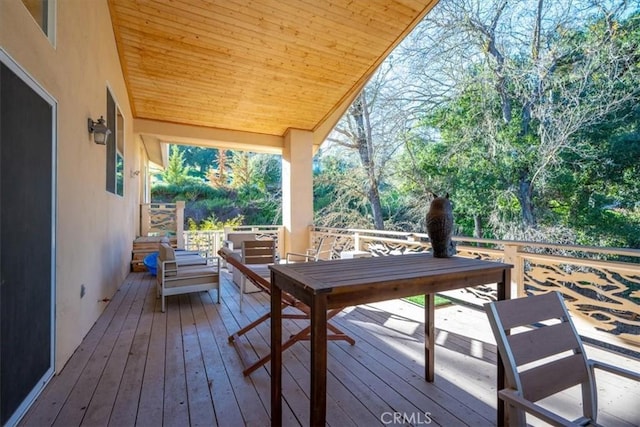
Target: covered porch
(179, 72)
(140, 366)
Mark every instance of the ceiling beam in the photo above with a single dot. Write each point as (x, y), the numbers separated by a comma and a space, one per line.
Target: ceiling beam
(154, 133)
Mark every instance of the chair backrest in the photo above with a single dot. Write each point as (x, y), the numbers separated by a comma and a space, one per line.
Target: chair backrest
(542, 358)
(324, 248)
(167, 253)
(236, 238)
(259, 252)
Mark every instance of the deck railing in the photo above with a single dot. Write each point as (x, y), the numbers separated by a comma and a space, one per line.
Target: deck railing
(204, 241)
(162, 219)
(601, 286)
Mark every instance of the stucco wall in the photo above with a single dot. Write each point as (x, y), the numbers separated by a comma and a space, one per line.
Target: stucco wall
(95, 229)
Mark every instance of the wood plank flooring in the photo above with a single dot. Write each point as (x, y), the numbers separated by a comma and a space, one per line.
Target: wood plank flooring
(140, 367)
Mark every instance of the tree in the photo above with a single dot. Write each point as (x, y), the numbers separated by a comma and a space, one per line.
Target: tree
(242, 169)
(199, 159)
(456, 160)
(262, 171)
(370, 128)
(339, 196)
(268, 173)
(597, 196)
(176, 172)
(551, 74)
(219, 177)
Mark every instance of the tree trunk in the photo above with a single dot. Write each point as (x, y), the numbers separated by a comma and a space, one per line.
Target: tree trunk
(525, 191)
(376, 207)
(477, 226)
(365, 151)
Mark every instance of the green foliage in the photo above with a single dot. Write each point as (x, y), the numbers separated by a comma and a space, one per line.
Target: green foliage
(340, 198)
(197, 191)
(176, 172)
(213, 223)
(570, 154)
(208, 207)
(255, 170)
(460, 159)
(419, 299)
(199, 159)
(268, 172)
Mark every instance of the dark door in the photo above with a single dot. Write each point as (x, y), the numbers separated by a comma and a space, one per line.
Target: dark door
(26, 227)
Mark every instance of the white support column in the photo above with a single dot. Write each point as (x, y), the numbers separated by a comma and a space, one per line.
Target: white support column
(297, 189)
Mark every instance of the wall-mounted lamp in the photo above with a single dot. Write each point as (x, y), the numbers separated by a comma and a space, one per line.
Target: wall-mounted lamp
(99, 130)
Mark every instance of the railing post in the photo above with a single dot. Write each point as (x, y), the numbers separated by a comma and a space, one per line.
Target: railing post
(282, 250)
(512, 256)
(180, 223)
(356, 241)
(218, 236)
(145, 219)
(187, 241)
(312, 235)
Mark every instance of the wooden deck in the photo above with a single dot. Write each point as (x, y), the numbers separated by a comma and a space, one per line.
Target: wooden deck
(138, 366)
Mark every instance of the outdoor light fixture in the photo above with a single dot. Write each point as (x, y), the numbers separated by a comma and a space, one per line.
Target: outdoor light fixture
(99, 130)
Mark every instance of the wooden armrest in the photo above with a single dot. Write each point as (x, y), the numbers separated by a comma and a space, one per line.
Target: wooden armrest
(210, 262)
(614, 370)
(162, 271)
(225, 252)
(294, 254)
(510, 396)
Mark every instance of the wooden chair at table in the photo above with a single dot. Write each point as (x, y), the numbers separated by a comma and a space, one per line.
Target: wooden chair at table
(287, 301)
(257, 255)
(556, 349)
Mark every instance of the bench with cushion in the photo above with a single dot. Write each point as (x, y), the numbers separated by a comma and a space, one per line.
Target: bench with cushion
(185, 274)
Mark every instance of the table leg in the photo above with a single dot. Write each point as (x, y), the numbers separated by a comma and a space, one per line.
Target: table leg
(504, 292)
(318, 402)
(276, 354)
(429, 337)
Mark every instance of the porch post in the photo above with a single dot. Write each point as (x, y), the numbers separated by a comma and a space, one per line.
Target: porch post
(145, 219)
(180, 204)
(297, 189)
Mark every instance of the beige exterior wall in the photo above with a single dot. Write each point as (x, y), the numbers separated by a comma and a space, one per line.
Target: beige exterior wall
(95, 228)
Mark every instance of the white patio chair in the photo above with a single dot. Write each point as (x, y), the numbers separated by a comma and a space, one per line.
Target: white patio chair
(322, 251)
(543, 359)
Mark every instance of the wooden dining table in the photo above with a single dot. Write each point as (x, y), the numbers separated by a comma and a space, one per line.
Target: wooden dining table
(327, 285)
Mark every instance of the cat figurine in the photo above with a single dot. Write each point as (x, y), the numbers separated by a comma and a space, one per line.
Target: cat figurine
(440, 227)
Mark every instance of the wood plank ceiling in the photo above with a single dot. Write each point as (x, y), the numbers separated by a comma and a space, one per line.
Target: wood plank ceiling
(259, 66)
